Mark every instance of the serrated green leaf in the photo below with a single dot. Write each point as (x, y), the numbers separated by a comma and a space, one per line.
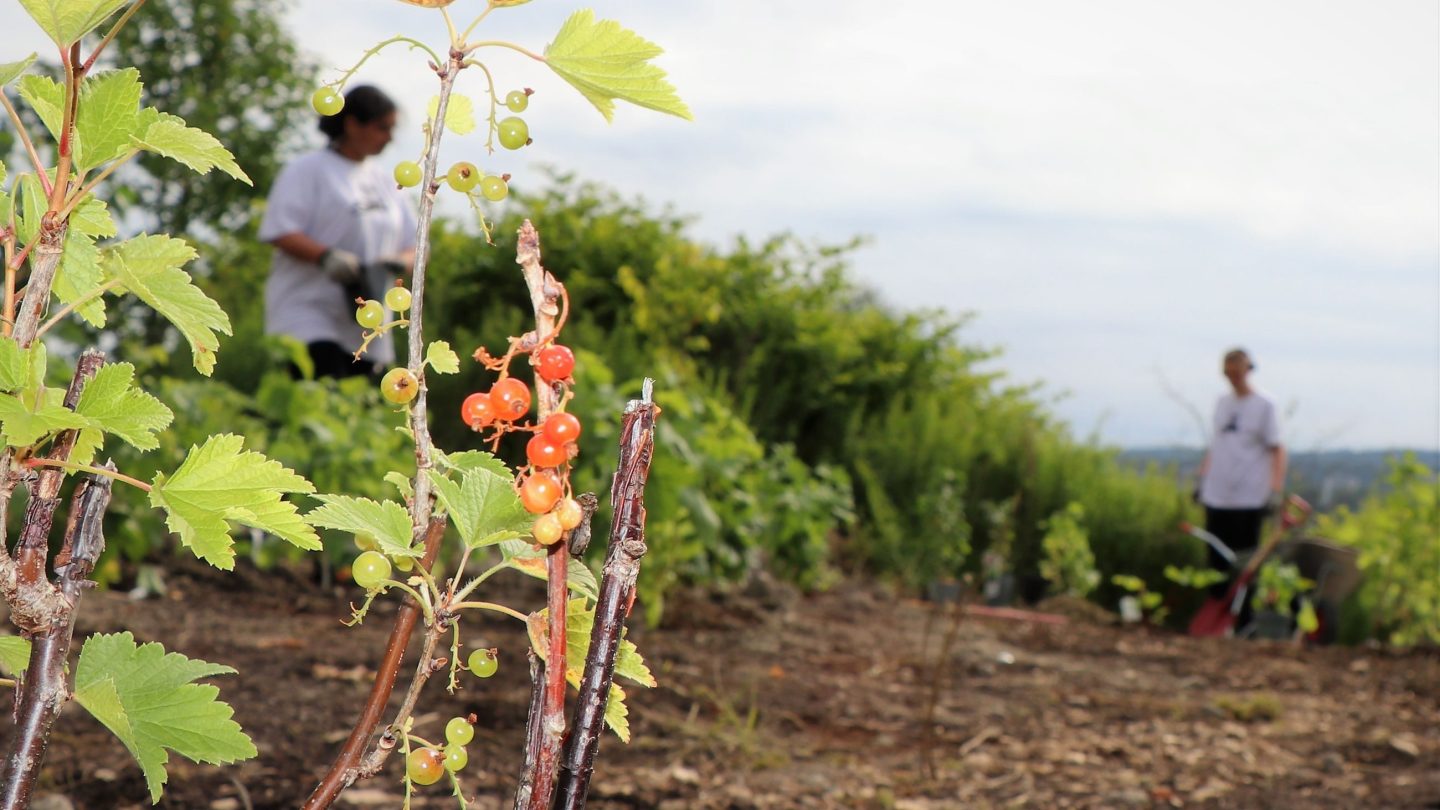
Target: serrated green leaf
(579, 624)
(14, 654)
(484, 506)
(47, 98)
(149, 266)
(442, 358)
(79, 274)
(87, 443)
(220, 483)
(196, 148)
(402, 483)
(92, 218)
(14, 365)
(579, 579)
(107, 117)
(459, 113)
(114, 405)
(22, 424)
(66, 21)
(30, 199)
(386, 521)
(148, 699)
(471, 460)
(8, 72)
(605, 61)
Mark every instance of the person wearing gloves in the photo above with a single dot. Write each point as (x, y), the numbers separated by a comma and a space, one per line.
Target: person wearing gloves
(1242, 477)
(342, 230)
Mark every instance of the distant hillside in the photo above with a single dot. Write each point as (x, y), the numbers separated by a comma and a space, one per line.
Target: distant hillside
(1327, 479)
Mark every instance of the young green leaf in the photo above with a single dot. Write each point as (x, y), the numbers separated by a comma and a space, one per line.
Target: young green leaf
(168, 135)
(470, 460)
(606, 62)
(579, 624)
(442, 358)
(579, 579)
(147, 698)
(107, 117)
(66, 21)
(219, 484)
(459, 113)
(386, 521)
(149, 266)
(47, 98)
(14, 654)
(9, 70)
(14, 365)
(114, 405)
(23, 423)
(484, 506)
(402, 483)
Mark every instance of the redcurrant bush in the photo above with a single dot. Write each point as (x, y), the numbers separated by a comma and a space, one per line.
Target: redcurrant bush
(478, 411)
(370, 314)
(459, 731)
(554, 363)
(547, 529)
(399, 386)
(511, 399)
(569, 513)
(539, 493)
(425, 766)
(463, 176)
(561, 427)
(407, 174)
(327, 102)
(514, 132)
(517, 100)
(542, 451)
(397, 299)
(370, 569)
(494, 188)
(483, 663)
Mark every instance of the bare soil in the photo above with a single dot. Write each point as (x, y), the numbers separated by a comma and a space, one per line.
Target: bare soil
(847, 699)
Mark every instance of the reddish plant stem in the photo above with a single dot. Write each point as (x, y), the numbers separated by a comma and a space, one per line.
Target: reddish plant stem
(345, 769)
(545, 294)
(617, 593)
(44, 688)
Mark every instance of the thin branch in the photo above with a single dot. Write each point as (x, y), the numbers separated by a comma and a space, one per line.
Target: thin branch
(89, 187)
(29, 145)
(110, 35)
(617, 593)
(490, 606)
(89, 296)
(344, 771)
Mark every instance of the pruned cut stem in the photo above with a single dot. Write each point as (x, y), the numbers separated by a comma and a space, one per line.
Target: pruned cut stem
(617, 593)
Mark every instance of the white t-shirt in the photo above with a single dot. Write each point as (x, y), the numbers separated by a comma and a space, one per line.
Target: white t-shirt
(343, 204)
(1247, 430)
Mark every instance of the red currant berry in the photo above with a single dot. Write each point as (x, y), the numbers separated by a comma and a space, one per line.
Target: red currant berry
(478, 411)
(554, 363)
(543, 452)
(539, 493)
(511, 399)
(561, 428)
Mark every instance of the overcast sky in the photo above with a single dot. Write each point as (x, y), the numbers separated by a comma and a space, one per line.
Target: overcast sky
(1118, 190)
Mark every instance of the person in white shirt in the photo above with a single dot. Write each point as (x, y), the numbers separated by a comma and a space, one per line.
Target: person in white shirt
(1242, 477)
(342, 229)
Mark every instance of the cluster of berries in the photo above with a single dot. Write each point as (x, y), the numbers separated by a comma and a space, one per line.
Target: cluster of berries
(399, 384)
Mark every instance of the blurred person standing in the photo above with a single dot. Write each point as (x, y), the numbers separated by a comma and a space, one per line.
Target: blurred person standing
(342, 230)
(1242, 477)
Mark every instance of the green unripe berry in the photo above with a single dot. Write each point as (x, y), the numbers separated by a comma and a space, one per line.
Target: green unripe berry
(370, 569)
(459, 731)
(399, 386)
(483, 663)
(370, 315)
(407, 173)
(463, 176)
(397, 299)
(514, 132)
(517, 100)
(494, 188)
(455, 758)
(327, 102)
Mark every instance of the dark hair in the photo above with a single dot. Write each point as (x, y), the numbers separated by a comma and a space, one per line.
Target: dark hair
(365, 104)
(1238, 353)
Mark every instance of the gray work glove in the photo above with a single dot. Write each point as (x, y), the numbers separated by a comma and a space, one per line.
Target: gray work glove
(342, 266)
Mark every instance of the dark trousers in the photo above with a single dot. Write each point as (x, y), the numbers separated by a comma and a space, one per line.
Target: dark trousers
(1240, 530)
(331, 360)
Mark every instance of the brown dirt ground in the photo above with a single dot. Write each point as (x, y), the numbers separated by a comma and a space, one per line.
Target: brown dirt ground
(772, 700)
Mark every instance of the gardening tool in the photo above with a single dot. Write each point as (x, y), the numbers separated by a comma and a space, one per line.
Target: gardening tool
(1217, 616)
